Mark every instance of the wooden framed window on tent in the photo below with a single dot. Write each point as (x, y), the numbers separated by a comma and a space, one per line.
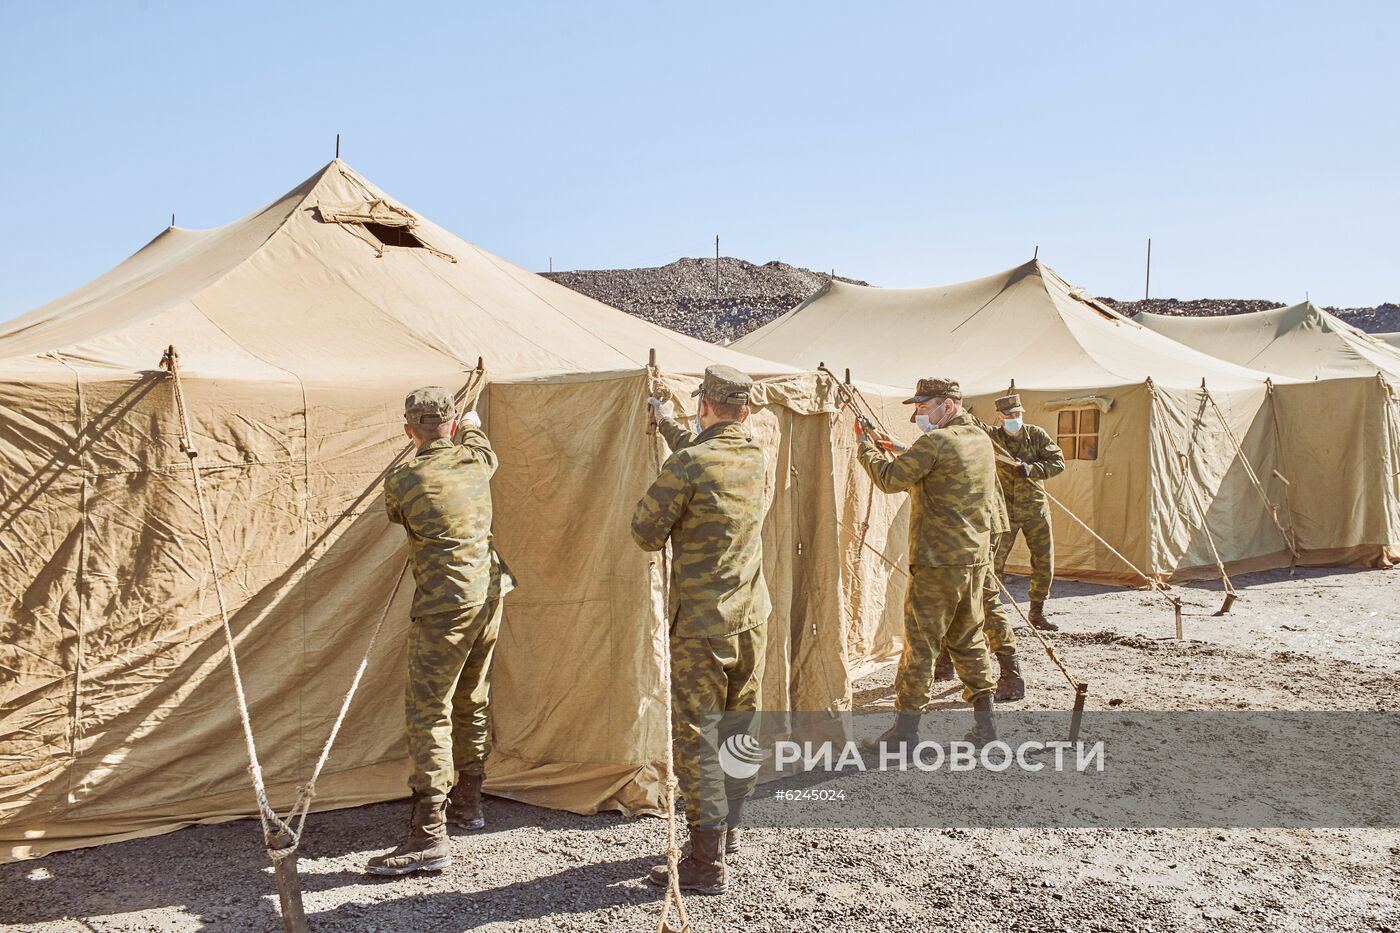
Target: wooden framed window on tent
(1077, 433)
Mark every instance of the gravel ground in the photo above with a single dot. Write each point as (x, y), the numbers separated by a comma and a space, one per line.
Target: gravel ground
(1323, 640)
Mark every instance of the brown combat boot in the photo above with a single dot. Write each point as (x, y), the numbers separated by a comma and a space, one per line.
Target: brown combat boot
(702, 869)
(464, 803)
(984, 728)
(426, 848)
(943, 667)
(1037, 617)
(733, 836)
(904, 732)
(1010, 686)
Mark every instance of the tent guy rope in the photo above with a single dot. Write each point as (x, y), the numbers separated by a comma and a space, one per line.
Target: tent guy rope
(673, 897)
(281, 836)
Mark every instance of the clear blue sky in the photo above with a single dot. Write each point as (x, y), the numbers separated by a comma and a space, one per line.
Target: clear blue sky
(1258, 144)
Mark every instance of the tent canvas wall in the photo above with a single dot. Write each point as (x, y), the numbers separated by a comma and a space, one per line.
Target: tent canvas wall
(1165, 462)
(1339, 430)
(299, 330)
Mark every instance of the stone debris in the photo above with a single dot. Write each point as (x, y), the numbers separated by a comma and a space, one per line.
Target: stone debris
(681, 295)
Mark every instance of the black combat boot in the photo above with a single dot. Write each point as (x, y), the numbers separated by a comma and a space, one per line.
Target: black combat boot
(702, 869)
(426, 848)
(984, 728)
(905, 732)
(464, 803)
(1010, 686)
(1037, 617)
(733, 836)
(943, 667)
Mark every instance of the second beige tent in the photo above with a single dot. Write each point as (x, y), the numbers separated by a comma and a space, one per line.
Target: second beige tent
(1172, 454)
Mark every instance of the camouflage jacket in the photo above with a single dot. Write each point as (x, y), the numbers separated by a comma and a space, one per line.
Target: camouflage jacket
(1025, 495)
(442, 497)
(708, 500)
(955, 506)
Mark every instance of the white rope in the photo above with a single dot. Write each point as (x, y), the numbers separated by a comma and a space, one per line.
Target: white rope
(288, 831)
(673, 852)
(266, 814)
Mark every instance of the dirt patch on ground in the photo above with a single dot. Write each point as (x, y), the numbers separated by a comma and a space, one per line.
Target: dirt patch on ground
(1315, 641)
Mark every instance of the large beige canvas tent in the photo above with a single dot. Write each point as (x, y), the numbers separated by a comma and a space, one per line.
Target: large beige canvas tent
(1171, 452)
(298, 330)
(1340, 429)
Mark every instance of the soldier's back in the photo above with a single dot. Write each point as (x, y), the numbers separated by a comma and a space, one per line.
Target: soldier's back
(955, 507)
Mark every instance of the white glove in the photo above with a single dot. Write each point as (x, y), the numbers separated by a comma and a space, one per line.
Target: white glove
(471, 419)
(662, 410)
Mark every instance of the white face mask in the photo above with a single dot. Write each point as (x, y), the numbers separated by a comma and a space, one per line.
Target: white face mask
(1012, 425)
(698, 428)
(925, 425)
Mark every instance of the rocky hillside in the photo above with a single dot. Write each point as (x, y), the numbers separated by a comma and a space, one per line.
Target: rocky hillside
(682, 295)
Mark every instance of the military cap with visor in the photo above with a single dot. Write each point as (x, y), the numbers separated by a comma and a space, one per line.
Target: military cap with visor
(725, 385)
(429, 405)
(932, 388)
(1008, 404)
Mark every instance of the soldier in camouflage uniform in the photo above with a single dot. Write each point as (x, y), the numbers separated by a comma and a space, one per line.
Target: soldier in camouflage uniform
(709, 501)
(442, 497)
(950, 475)
(1026, 457)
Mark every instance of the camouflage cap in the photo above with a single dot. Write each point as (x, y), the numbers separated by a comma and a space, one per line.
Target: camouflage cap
(1009, 403)
(935, 388)
(428, 405)
(726, 385)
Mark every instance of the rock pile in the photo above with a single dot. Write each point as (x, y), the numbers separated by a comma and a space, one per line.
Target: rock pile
(682, 295)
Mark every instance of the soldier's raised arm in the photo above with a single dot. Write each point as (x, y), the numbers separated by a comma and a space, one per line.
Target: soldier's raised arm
(391, 503)
(664, 503)
(904, 470)
(471, 436)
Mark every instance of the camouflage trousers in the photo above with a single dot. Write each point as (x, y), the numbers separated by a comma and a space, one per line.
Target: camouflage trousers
(943, 606)
(710, 677)
(997, 625)
(1041, 543)
(449, 685)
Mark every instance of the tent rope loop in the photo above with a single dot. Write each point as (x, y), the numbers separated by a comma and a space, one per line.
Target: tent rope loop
(673, 899)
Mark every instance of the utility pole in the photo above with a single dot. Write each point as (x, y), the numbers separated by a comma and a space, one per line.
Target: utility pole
(337, 145)
(551, 263)
(716, 265)
(1147, 289)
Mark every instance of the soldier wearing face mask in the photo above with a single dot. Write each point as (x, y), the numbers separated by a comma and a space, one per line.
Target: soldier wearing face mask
(1026, 457)
(955, 506)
